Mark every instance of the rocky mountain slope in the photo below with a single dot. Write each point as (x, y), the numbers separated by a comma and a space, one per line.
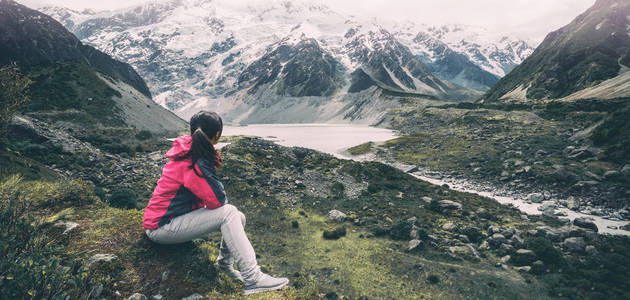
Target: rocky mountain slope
(76, 85)
(588, 58)
(200, 50)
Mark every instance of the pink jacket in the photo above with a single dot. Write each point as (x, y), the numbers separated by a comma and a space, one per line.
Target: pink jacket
(180, 190)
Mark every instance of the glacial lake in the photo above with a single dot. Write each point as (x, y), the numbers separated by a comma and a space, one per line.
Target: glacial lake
(335, 139)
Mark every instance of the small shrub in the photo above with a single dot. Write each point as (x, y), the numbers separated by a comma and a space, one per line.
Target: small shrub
(335, 233)
(123, 198)
(433, 278)
(545, 251)
(434, 206)
(144, 135)
(473, 234)
(401, 230)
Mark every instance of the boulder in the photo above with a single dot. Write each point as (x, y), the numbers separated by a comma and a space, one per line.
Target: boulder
(585, 223)
(101, 258)
(524, 269)
(535, 197)
(516, 242)
(547, 205)
(446, 205)
(336, 216)
(465, 250)
(449, 227)
(523, 257)
(137, 296)
(574, 244)
(508, 233)
(572, 203)
(194, 296)
(493, 229)
(496, 240)
(483, 213)
(626, 170)
(413, 244)
(591, 250)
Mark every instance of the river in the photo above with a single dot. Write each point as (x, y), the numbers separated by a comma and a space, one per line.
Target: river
(335, 139)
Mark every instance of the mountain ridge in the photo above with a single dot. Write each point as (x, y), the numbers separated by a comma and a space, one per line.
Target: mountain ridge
(179, 75)
(592, 49)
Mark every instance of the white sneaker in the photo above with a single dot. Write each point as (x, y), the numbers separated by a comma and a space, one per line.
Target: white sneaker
(265, 283)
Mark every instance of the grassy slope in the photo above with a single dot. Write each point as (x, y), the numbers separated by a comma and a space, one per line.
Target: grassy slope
(483, 141)
(275, 186)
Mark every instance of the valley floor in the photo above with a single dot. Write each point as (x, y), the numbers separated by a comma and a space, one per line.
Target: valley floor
(401, 238)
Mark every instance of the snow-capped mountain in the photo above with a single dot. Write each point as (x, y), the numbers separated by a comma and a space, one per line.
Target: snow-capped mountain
(209, 51)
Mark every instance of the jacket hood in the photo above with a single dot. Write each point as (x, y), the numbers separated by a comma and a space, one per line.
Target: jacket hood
(181, 146)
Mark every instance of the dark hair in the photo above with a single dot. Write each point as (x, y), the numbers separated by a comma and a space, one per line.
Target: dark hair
(204, 126)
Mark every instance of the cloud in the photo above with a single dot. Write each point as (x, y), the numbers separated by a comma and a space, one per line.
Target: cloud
(531, 19)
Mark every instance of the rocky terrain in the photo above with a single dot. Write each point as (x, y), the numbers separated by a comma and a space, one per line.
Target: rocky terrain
(336, 228)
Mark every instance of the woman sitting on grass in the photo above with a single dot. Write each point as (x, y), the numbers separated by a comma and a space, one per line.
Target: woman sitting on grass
(189, 202)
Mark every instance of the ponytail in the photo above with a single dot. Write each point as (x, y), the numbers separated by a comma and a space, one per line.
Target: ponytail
(202, 124)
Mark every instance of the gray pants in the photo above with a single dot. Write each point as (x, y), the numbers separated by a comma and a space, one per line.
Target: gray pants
(234, 244)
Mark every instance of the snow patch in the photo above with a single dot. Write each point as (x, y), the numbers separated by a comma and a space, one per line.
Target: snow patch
(599, 26)
(518, 94)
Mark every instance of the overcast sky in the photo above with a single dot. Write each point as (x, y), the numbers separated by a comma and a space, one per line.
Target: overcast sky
(530, 19)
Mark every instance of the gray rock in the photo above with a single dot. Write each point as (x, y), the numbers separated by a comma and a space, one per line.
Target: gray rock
(101, 258)
(165, 275)
(336, 216)
(484, 245)
(449, 227)
(505, 259)
(427, 199)
(412, 220)
(465, 250)
(591, 250)
(547, 205)
(157, 297)
(493, 229)
(194, 296)
(496, 240)
(574, 244)
(449, 205)
(413, 244)
(626, 170)
(611, 174)
(508, 233)
(524, 257)
(535, 197)
(516, 242)
(483, 213)
(572, 203)
(96, 291)
(524, 269)
(137, 296)
(505, 249)
(540, 153)
(585, 223)
(463, 238)
(69, 225)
